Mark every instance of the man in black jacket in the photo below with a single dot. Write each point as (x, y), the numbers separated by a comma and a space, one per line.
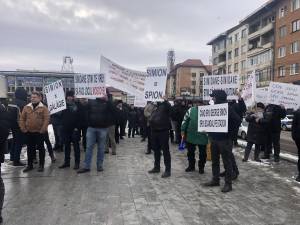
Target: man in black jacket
(160, 125)
(272, 117)
(15, 109)
(296, 137)
(101, 115)
(71, 123)
(221, 144)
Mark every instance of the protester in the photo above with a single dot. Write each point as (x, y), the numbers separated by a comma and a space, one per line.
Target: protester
(71, 123)
(177, 114)
(149, 109)
(296, 137)
(143, 124)
(5, 126)
(256, 133)
(132, 121)
(34, 122)
(122, 121)
(160, 125)
(272, 117)
(15, 110)
(101, 115)
(189, 130)
(221, 144)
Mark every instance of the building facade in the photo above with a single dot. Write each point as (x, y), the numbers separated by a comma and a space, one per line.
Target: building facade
(287, 44)
(185, 80)
(219, 56)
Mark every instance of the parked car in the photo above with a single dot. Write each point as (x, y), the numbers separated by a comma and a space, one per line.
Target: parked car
(286, 123)
(243, 129)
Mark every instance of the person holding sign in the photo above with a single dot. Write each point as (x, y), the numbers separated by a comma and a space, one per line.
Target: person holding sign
(189, 131)
(221, 144)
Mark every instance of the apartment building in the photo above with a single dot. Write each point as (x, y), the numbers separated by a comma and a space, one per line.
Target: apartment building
(219, 54)
(185, 80)
(287, 44)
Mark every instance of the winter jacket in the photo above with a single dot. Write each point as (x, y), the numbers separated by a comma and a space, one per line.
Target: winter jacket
(34, 120)
(189, 126)
(256, 133)
(71, 117)
(101, 113)
(160, 117)
(240, 107)
(272, 118)
(132, 118)
(178, 112)
(296, 126)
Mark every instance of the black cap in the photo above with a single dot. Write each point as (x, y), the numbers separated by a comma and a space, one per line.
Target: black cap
(260, 105)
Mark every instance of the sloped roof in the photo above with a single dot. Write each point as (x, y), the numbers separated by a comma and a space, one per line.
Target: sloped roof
(192, 63)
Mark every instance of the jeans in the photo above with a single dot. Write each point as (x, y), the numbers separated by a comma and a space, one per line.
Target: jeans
(110, 139)
(18, 141)
(72, 137)
(160, 142)
(273, 139)
(191, 155)
(35, 141)
(223, 148)
(94, 135)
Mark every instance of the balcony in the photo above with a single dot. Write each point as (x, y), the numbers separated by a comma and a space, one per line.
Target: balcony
(261, 31)
(222, 64)
(260, 49)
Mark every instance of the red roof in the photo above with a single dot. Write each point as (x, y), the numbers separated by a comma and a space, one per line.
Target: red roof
(191, 63)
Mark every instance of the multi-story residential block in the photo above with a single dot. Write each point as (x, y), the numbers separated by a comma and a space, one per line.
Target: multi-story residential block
(185, 80)
(287, 43)
(219, 54)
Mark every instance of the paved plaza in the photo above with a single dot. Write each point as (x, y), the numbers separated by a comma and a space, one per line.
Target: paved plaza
(126, 194)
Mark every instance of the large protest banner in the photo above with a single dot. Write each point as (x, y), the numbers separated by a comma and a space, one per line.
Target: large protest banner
(55, 96)
(261, 95)
(130, 81)
(213, 118)
(89, 85)
(248, 92)
(155, 83)
(139, 101)
(284, 94)
(227, 82)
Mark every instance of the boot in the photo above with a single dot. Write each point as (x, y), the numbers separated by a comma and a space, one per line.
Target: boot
(256, 155)
(41, 168)
(63, 166)
(298, 178)
(76, 166)
(212, 183)
(83, 170)
(190, 169)
(18, 163)
(227, 188)
(222, 174)
(27, 169)
(166, 174)
(154, 170)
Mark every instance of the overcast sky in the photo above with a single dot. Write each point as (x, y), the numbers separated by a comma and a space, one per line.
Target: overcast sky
(36, 34)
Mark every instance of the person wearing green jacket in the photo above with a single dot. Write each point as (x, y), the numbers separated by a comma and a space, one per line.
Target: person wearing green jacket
(189, 130)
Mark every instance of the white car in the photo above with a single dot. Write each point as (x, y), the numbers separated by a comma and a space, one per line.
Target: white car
(286, 123)
(243, 129)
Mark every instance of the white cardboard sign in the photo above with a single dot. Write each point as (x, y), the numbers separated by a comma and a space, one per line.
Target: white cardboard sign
(55, 96)
(213, 118)
(227, 82)
(127, 80)
(89, 85)
(155, 83)
(248, 92)
(139, 101)
(261, 95)
(284, 94)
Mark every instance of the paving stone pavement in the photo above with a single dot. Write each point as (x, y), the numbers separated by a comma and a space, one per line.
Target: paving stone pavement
(126, 194)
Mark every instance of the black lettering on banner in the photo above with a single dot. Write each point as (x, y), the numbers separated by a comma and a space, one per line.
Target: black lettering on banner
(56, 105)
(153, 94)
(156, 72)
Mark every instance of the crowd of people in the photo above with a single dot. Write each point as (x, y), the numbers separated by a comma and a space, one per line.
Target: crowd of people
(102, 122)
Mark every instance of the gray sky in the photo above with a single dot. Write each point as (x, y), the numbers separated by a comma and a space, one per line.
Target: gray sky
(36, 34)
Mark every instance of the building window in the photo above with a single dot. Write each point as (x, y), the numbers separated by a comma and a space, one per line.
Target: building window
(295, 4)
(230, 40)
(282, 11)
(230, 55)
(236, 67)
(244, 33)
(229, 69)
(281, 71)
(244, 49)
(294, 69)
(243, 64)
(193, 91)
(201, 74)
(295, 47)
(295, 25)
(193, 74)
(236, 37)
(281, 52)
(193, 82)
(282, 31)
(236, 52)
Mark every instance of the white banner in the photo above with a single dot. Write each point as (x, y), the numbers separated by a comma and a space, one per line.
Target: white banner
(261, 95)
(284, 94)
(89, 85)
(124, 79)
(139, 101)
(227, 82)
(213, 118)
(155, 83)
(248, 92)
(55, 96)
